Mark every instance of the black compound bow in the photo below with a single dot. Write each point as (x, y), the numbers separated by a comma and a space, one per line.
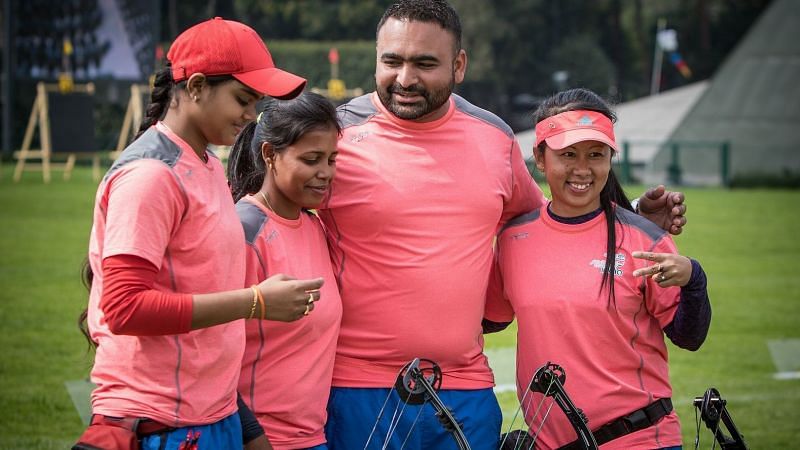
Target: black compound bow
(549, 381)
(415, 388)
(713, 412)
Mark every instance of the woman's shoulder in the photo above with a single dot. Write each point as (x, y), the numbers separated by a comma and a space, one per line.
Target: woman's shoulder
(631, 220)
(150, 146)
(252, 217)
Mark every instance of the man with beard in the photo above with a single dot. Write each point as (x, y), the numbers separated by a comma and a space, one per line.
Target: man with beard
(424, 181)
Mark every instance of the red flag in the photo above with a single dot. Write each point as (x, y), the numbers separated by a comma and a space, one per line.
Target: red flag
(333, 55)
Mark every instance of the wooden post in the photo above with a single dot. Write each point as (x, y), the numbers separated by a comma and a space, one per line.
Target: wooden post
(40, 117)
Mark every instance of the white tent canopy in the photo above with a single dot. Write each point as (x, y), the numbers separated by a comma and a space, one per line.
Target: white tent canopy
(645, 123)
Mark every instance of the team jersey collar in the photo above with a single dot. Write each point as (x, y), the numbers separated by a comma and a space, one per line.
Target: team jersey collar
(554, 223)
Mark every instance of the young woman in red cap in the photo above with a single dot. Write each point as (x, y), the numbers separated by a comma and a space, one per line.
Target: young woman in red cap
(167, 253)
(280, 167)
(594, 288)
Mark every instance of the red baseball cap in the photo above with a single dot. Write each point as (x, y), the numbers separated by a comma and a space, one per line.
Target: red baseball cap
(225, 47)
(567, 128)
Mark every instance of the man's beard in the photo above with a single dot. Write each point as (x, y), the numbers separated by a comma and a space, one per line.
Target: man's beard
(431, 100)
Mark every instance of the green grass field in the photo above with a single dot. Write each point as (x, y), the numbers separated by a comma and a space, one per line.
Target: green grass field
(743, 238)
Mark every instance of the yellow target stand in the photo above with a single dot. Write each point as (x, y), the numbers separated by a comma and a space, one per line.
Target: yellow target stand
(336, 89)
(64, 115)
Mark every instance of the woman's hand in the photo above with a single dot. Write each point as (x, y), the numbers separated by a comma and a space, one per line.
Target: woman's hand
(669, 269)
(287, 299)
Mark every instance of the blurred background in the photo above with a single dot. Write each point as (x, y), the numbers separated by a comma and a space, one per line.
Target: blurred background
(519, 52)
(707, 99)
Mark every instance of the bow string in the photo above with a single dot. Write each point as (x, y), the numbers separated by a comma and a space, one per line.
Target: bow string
(417, 385)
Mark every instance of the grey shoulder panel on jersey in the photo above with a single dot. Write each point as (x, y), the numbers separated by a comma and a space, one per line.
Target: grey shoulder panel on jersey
(356, 111)
(521, 220)
(482, 115)
(150, 145)
(252, 218)
(632, 219)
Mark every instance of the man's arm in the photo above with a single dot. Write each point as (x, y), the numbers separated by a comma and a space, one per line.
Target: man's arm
(664, 208)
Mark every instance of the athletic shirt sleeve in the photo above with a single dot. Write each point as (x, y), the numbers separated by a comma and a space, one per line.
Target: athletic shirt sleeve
(662, 302)
(692, 320)
(526, 195)
(145, 204)
(498, 308)
(130, 304)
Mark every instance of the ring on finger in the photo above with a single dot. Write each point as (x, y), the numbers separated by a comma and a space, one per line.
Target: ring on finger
(310, 298)
(308, 308)
(661, 277)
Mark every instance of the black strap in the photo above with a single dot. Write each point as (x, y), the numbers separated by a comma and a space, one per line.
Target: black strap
(635, 421)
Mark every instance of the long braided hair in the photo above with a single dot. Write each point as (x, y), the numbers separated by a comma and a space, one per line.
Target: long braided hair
(164, 92)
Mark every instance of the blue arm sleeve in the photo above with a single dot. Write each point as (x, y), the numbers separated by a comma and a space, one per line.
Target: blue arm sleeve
(493, 327)
(689, 327)
(251, 429)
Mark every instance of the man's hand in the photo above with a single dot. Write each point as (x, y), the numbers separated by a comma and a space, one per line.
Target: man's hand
(664, 208)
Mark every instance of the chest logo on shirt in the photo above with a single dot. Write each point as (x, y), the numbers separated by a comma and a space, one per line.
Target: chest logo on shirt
(619, 261)
(523, 235)
(359, 137)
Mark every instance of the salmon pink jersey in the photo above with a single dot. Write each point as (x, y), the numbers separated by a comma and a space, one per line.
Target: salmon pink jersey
(411, 219)
(287, 367)
(161, 202)
(548, 274)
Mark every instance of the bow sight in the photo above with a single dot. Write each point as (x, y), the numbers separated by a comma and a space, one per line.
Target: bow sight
(549, 381)
(713, 412)
(416, 384)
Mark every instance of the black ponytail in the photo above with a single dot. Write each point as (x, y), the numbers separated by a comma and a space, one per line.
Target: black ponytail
(611, 197)
(245, 166)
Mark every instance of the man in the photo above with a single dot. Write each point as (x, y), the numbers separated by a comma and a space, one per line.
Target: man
(424, 180)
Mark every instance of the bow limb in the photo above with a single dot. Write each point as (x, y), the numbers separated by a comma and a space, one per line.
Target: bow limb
(549, 381)
(553, 376)
(415, 382)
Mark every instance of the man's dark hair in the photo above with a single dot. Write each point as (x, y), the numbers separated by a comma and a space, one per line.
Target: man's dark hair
(431, 11)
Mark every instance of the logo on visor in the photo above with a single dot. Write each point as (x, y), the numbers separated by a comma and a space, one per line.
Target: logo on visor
(585, 120)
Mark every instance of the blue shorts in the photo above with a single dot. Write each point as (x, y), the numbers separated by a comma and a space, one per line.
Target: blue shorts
(227, 433)
(352, 413)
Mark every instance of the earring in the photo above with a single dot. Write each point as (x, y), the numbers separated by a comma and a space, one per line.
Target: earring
(195, 99)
